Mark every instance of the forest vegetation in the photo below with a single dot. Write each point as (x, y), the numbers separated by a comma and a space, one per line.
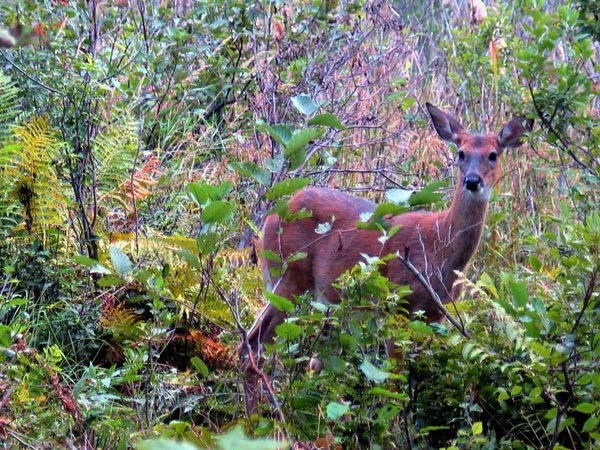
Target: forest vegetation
(142, 145)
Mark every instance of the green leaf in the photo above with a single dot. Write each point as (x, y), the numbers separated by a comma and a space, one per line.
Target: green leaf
(335, 410)
(335, 364)
(423, 197)
(387, 393)
(408, 102)
(253, 171)
(304, 104)
(236, 440)
(284, 132)
(535, 263)
(269, 254)
(301, 139)
(110, 281)
(120, 261)
(281, 303)
(477, 428)
(84, 261)
(203, 194)
(286, 187)
(373, 373)
(541, 349)
(164, 444)
(200, 366)
(585, 408)
(328, 120)
(207, 243)
(296, 257)
(519, 292)
(217, 212)
(386, 208)
(189, 258)
(288, 331)
(198, 193)
(591, 424)
(421, 327)
(280, 133)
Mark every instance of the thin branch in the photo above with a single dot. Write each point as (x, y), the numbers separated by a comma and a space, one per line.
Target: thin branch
(434, 296)
(29, 77)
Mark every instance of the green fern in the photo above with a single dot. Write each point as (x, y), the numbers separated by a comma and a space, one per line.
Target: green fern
(9, 105)
(28, 178)
(114, 153)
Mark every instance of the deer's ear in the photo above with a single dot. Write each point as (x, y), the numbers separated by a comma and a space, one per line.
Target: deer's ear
(510, 135)
(446, 126)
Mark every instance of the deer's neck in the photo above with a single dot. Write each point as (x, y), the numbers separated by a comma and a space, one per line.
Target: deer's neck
(461, 228)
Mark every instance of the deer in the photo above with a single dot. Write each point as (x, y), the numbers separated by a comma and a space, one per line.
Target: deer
(440, 243)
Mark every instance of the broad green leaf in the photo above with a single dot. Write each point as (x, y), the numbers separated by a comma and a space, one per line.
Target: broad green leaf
(236, 440)
(269, 254)
(591, 424)
(335, 410)
(477, 428)
(586, 408)
(207, 243)
(301, 139)
(288, 331)
(421, 327)
(408, 102)
(327, 119)
(84, 261)
(386, 208)
(387, 393)
(296, 257)
(305, 104)
(164, 444)
(281, 303)
(253, 171)
(335, 364)
(535, 263)
(284, 132)
(217, 212)
(120, 261)
(110, 281)
(280, 133)
(198, 193)
(200, 366)
(286, 187)
(423, 197)
(373, 373)
(189, 258)
(541, 349)
(519, 292)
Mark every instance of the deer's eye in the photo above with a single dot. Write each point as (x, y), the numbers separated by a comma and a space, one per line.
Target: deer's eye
(461, 155)
(493, 156)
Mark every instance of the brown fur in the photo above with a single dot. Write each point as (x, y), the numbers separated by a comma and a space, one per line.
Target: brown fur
(439, 243)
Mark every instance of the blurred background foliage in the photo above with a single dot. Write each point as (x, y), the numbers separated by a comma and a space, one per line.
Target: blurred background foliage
(142, 144)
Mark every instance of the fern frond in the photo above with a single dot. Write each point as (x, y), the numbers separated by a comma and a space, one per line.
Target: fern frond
(157, 242)
(9, 105)
(29, 177)
(114, 153)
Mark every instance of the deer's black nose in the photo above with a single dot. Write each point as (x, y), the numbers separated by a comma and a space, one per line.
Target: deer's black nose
(473, 182)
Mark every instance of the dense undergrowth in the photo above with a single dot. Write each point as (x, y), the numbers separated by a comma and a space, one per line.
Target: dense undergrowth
(142, 145)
